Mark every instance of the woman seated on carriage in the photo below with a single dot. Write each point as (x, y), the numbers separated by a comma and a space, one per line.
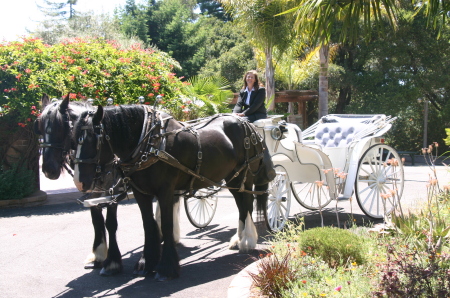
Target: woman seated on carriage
(250, 104)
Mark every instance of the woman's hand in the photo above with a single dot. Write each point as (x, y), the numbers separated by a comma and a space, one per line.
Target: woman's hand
(240, 114)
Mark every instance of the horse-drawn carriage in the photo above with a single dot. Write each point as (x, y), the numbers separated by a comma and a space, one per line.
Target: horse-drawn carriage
(160, 157)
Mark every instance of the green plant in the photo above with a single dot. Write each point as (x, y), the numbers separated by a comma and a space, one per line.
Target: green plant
(16, 182)
(336, 247)
(85, 68)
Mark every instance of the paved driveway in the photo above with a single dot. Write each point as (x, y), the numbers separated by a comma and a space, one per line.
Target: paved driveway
(42, 248)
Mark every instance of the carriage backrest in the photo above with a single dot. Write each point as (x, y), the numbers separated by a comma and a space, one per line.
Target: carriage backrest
(335, 131)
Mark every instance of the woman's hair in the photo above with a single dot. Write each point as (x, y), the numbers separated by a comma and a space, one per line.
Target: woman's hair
(256, 84)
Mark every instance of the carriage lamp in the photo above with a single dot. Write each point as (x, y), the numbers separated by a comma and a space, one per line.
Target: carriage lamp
(141, 99)
(109, 101)
(157, 100)
(90, 101)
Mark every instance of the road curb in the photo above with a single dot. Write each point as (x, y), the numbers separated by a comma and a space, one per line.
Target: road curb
(241, 284)
(37, 198)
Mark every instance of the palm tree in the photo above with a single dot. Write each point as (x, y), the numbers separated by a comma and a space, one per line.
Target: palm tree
(354, 17)
(265, 30)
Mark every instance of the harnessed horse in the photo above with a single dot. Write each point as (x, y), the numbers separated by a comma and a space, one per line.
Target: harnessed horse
(55, 125)
(159, 156)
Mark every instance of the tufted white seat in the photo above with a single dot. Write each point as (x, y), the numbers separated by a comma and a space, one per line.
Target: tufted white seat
(337, 134)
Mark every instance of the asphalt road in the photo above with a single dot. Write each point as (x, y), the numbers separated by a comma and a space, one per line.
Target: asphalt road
(42, 248)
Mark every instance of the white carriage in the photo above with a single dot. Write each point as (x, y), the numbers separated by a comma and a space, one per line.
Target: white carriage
(337, 157)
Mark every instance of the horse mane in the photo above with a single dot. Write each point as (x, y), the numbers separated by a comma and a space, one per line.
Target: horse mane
(120, 123)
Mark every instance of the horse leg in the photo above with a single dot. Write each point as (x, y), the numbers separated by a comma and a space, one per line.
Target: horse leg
(100, 247)
(169, 266)
(246, 236)
(176, 219)
(152, 247)
(113, 263)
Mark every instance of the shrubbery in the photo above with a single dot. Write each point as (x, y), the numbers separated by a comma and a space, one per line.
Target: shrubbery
(85, 68)
(16, 183)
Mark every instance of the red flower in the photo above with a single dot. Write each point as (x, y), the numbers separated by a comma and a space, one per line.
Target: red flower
(150, 94)
(27, 70)
(72, 96)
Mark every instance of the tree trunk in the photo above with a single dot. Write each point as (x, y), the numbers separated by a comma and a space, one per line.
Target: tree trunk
(323, 81)
(345, 95)
(270, 80)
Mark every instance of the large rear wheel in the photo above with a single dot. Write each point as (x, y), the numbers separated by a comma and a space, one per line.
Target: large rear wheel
(379, 181)
(312, 196)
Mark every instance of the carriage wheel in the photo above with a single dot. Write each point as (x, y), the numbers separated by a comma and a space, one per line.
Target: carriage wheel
(310, 195)
(379, 181)
(279, 201)
(200, 209)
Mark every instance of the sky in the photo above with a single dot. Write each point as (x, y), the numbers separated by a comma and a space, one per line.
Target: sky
(19, 15)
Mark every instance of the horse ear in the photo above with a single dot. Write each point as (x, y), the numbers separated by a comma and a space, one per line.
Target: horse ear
(44, 101)
(36, 126)
(64, 104)
(98, 115)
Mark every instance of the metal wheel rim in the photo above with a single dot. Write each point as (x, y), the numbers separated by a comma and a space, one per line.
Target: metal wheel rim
(200, 211)
(307, 195)
(377, 176)
(278, 201)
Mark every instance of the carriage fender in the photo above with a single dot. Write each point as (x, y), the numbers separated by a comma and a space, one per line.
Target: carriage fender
(357, 152)
(311, 156)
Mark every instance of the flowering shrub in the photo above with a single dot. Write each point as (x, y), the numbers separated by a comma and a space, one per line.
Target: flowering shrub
(85, 68)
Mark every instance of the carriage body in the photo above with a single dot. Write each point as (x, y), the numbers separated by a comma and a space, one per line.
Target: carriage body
(338, 156)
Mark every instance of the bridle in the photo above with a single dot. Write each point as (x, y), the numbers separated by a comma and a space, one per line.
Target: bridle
(100, 136)
(64, 146)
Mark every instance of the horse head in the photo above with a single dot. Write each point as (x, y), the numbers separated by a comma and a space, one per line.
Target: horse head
(94, 159)
(54, 125)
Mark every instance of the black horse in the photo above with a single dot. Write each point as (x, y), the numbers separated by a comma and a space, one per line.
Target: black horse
(167, 157)
(55, 125)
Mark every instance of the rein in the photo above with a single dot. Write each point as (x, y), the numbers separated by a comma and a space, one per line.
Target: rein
(152, 149)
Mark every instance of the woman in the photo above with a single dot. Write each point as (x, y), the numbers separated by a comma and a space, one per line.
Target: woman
(251, 99)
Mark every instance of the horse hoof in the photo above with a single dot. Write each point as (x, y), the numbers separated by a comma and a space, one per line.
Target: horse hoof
(161, 278)
(140, 272)
(93, 265)
(110, 272)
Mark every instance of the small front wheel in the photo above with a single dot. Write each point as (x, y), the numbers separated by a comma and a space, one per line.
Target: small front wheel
(279, 200)
(200, 209)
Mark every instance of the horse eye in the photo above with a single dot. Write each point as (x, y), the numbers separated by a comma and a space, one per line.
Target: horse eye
(80, 140)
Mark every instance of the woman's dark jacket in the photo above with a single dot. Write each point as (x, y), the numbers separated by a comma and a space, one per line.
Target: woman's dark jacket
(257, 109)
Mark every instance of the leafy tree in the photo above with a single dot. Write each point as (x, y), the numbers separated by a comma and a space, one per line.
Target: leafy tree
(265, 29)
(58, 10)
(319, 18)
(133, 20)
(213, 8)
(84, 25)
(389, 75)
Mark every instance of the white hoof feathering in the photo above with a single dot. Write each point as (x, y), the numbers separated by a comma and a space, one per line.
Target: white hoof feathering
(236, 239)
(249, 236)
(99, 254)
